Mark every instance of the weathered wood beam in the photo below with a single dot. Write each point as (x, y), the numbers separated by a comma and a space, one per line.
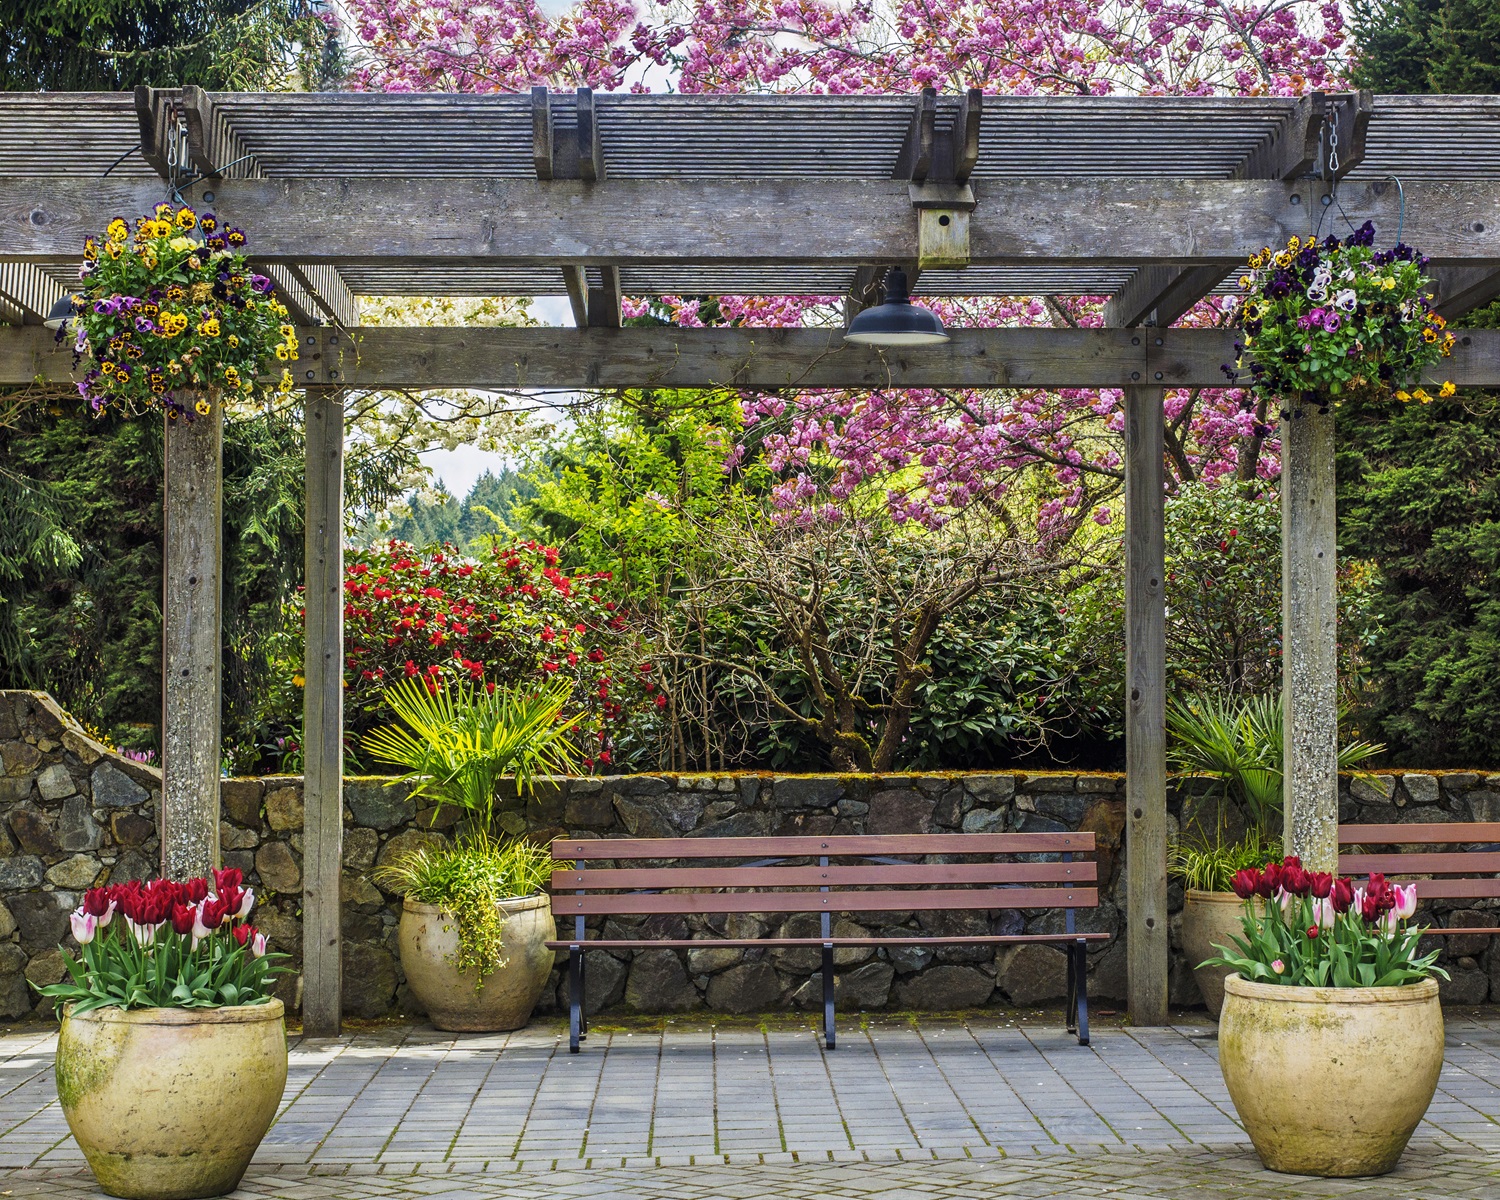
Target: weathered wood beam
(323, 715)
(1463, 289)
(575, 279)
(291, 290)
(966, 135)
(541, 132)
(863, 292)
(590, 150)
(325, 287)
(915, 159)
(215, 149)
(151, 117)
(438, 357)
(28, 292)
(1147, 951)
(192, 651)
(622, 222)
(604, 300)
(1158, 295)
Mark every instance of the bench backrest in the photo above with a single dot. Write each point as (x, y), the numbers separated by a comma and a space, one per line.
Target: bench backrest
(1428, 850)
(875, 873)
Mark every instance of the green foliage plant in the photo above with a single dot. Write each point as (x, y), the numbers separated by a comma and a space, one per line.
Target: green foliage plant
(1308, 929)
(1242, 743)
(470, 880)
(1204, 866)
(459, 743)
(461, 740)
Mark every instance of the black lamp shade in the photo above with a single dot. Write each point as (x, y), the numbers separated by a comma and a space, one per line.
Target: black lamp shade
(60, 313)
(896, 321)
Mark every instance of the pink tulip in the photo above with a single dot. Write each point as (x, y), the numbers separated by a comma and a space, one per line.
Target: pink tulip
(1406, 902)
(1323, 913)
(200, 930)
(245, 905)
(1278, 966)
(85, 925)
(258, 945)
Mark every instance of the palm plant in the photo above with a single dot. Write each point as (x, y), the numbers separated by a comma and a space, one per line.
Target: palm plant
(1242, 742)
(460, 741)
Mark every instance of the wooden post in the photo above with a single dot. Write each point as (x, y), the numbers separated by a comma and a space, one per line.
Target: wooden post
(1309, 609)
(191, 644)
(1145, 710)
(323, 716)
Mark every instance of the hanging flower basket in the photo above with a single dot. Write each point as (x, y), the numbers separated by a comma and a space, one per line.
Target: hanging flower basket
(1335, 320)
(172, 318)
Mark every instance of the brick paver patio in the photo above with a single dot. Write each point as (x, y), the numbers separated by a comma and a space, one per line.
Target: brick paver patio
(690, 1110)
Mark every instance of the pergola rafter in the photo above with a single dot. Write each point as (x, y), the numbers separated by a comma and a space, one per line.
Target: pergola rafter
(1150, 202)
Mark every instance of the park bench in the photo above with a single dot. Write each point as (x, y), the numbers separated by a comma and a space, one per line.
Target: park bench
(1444, 873)
(827, 876)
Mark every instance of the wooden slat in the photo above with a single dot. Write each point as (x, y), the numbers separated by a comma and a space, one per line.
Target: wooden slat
(1435, 930)
(925, 899)
(1445, 833)
(604, 301)
(590, 151)
(999, 939)
(835, 847)
(1473, 863)
(833, 876)
(1457, 889)
(541, 132)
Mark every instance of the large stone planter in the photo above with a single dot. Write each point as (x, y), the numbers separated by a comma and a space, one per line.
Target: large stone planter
(1209, 920)
(429, 949)
(170, 1103)
(1330, 1081)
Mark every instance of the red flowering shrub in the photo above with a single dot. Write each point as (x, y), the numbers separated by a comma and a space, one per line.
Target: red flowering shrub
(502, 617)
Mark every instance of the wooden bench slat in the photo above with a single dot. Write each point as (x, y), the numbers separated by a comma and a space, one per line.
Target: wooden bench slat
(1488, 930)
(1473, 862)
(1457, 889)
(915, 940)
(926, 899)
(861, 846)
(831, 876)
(1446, 833)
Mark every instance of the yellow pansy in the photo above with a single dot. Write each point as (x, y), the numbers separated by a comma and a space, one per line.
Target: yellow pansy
(117, 230)
(1447, 389)
(281, 353)
(234, 341)
(181, 243)
(1246, 282)
(186, 218)
(287, 331)
(1420, 394)
(209, 328)
(203, 407)
(1294, 243)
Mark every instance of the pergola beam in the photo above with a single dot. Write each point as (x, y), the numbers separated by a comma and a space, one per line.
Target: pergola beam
(376, 357)
(1462, 289)
(1159, 295)
(625, 222)
(27, 292)
(326, 289)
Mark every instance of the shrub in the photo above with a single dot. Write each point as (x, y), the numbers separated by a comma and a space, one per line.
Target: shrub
(498, 619)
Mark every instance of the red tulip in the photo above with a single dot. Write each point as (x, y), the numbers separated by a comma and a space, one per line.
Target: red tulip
(183, 916)
(1246, 882)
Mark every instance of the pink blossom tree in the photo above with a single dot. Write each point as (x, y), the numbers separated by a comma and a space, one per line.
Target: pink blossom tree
(933, 452)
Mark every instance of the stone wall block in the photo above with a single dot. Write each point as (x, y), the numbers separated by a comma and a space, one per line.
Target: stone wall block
(900, 810)
(76, 827)
(807, 791)
(285, 810)
(113, 788)
(1421, 789)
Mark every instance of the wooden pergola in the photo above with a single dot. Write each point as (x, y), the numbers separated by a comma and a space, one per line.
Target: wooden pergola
(1153, 202)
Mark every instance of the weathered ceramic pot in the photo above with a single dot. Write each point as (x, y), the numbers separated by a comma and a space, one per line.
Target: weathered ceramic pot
(1209, 920)
(429, 949)
(1330, 1081)
(170, 1103)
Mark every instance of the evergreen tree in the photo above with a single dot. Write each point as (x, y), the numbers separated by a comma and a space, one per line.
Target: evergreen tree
(1427, 46)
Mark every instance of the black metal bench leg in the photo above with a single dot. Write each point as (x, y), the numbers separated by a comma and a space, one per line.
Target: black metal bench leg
(1071, 1009)
(1081, 974)
(829, 1037)
(575, 998)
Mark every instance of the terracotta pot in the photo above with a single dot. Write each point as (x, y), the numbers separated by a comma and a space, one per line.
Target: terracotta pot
(429, 948)
(1330, 1081)
(170, 1103)
(1209, 920)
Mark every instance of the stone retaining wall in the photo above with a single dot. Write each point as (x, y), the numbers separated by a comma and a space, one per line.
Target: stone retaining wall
(73, 815)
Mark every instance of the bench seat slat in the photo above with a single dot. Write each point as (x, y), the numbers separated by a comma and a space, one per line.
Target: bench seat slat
(832, 876)
(1447, 833)
(915, 940)
(1474, 862)
(860, 846)
(1457, 889)
(926, 899)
